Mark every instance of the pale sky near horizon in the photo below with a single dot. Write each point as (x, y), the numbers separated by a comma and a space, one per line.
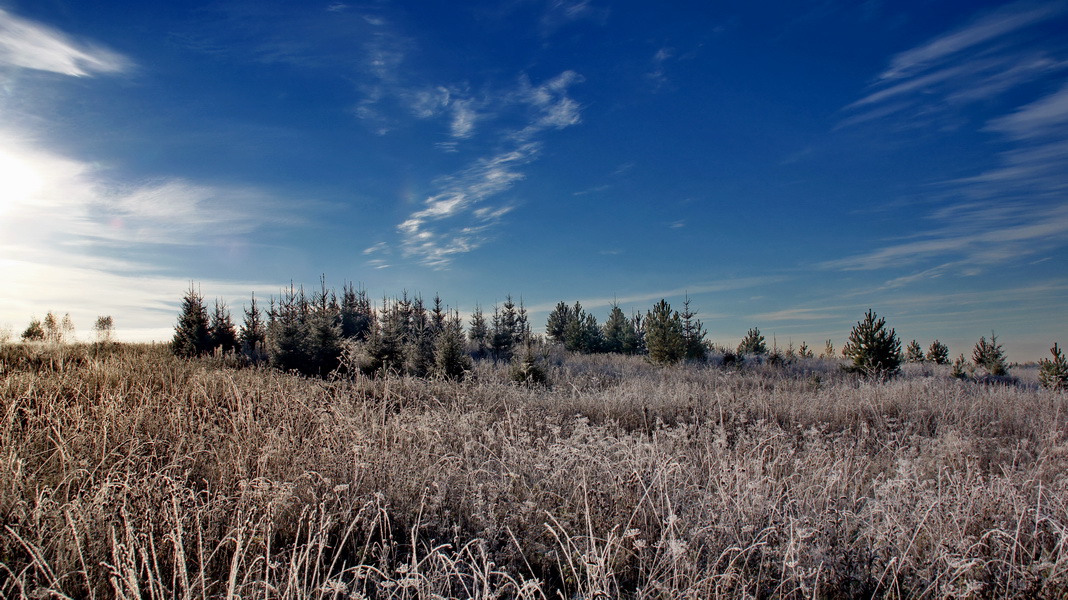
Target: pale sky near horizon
(788, 166)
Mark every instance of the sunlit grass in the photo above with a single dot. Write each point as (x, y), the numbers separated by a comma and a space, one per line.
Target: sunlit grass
(125, 472)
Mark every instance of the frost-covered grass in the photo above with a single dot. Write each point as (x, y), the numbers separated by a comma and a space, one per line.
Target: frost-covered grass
(125, 472)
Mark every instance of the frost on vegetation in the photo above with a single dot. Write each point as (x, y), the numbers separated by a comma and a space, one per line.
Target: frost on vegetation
(132, 473)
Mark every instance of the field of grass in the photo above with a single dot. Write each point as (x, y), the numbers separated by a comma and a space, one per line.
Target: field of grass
(125, 472)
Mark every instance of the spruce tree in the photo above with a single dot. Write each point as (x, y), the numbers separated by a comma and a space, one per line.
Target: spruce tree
(34, 332)
(450, 359)
(505, 328)
(873, 349)
(478, 333)
(693, 333)
(582, 334)
(253, 333)
(357, 317)
(914, 352)
(616, 331)
(663, 334)
(322, 334)
(286, 331)
(990, 357)
(1053, 373)
(753, 343)
(192, 335)
(938, 353)
(221, 329)
(556, 326)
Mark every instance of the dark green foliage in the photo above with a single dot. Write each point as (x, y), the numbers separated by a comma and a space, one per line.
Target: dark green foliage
(450, 359)
(664, 334)
(961, 369)
(420, 340)
(221, 329)
(387, 344)
(619, 334)
(753, 343)
(508, 330)
(873, 349)
(556, 326)
(34, 332)
(357, 316)
(914, 352)
(803, 351)
(528, 370)
(1053, 373)
(582, 334)
(478, 333)
(693, 333)
(253, 334)
(938, 353)
(990, 357)
(322, 334)
(285, 331)
(192, 335)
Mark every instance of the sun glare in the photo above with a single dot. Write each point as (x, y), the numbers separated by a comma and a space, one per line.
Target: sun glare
(19, 181)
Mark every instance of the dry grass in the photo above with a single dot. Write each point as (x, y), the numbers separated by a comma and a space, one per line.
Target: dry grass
(128, 473)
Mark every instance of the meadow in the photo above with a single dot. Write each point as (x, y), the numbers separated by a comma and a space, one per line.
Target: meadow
(126, 472)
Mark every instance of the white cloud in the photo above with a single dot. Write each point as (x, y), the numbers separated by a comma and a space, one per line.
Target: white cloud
(63, 221)
(30, 45)
(1045, 117)
(458, 217)
(990, 28)
(1013, 210)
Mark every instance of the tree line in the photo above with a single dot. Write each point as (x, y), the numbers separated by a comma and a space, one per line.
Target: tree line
(321, 332)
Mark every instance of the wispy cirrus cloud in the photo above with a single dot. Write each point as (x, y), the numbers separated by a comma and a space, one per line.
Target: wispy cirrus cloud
(1014, 209)
(27, 44)
(458, 217)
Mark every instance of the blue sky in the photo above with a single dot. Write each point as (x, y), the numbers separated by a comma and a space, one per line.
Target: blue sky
(787, 165)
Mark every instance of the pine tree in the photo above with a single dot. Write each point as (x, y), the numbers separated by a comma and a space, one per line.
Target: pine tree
(221, 329)
(873, 349)
(634, 338)
(450, 360)
(828, 350)
(286, 331)
(505, 329)
(34, 332)
(192, 336)
(804, 351)
(253, 333)
(322, 334)
(522, 325)
(617, 331)
(753, 343)
(582, 334)
(556, 326)
(478, 333)
(1053, 374)
(990, 357)
(421, 339)
(938, 353)
(663, 334)
(914, 352)
(693, 333)
(357, 317)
